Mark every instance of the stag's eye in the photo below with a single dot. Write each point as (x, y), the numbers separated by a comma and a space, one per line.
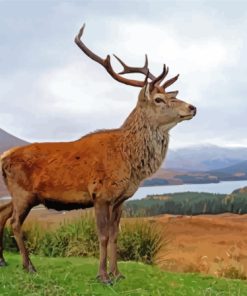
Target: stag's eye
(159, 100)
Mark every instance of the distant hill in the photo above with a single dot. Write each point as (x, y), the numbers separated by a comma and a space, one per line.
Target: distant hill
(234, 172)
(240, 190)
(237, 171)
(204, 158)
(169, 177)
(7, 141)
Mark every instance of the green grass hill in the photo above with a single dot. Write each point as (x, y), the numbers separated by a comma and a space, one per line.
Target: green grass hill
(76, 277)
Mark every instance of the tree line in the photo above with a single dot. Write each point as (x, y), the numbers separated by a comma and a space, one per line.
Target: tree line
(187, 203)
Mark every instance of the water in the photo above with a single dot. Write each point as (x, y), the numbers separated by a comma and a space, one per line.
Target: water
(222, 187)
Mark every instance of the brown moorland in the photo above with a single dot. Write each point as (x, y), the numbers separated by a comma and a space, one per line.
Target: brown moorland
(213, 244)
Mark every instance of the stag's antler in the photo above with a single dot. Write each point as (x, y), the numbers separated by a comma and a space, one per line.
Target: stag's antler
(158, 79)
(106, 63)
(143, 70)
(170, 81)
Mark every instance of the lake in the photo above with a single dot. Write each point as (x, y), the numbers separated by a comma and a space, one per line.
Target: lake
(222, 187)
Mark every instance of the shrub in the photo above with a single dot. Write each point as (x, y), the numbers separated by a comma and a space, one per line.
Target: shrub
(233, 272)
(76, 238)
(9, 240)
(138, 240)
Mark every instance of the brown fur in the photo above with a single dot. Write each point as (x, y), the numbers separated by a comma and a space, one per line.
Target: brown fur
(101, 169)
(6, 211)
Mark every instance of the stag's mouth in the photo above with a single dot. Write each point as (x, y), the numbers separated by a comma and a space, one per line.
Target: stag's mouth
(187, 117)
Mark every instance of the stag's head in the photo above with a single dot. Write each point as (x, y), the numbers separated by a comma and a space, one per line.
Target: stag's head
(162, 108)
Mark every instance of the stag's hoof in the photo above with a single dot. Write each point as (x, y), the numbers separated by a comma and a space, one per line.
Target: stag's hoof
(2, 263)
(104, 280)
(107, 282)
(117, 276)
(30, 268)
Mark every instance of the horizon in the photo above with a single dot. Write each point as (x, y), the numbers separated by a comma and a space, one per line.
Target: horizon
(193, 146)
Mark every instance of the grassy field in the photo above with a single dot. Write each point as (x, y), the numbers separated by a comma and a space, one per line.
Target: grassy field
(76, 276)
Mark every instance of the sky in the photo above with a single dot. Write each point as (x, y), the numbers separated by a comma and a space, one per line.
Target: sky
(50, 91)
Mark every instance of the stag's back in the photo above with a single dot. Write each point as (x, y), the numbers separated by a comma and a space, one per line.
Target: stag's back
(95, 163)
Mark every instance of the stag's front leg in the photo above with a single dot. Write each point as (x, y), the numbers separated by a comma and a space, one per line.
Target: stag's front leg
(113, 234)
(102, 220)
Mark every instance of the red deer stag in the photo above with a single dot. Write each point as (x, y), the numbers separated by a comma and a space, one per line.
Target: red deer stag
(100, 170)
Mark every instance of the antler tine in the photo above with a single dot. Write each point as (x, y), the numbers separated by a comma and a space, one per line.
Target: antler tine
(143, 70)
(160, 77)
(167, 71)
(106, 63)
(86, 50)
(170, 81)
(146, 78)
(146, 61)
(163, 75)
(126, 68)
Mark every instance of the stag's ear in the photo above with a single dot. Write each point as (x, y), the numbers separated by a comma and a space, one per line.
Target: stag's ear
(144, 94)
(172, 94)
(147, 91)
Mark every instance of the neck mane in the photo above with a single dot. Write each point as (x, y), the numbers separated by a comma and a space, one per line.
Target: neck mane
(146, 146)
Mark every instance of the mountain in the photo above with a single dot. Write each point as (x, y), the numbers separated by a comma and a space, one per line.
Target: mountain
(238, 171)
(7, 141)
(234, 172)
(204, 158)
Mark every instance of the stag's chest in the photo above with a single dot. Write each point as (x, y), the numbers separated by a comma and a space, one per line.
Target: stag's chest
(156, 153)
(150, 157)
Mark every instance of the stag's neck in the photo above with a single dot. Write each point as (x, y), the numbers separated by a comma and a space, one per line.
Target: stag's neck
(144, 144)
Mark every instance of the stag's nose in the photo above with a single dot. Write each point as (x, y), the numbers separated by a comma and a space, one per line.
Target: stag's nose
(192, 108)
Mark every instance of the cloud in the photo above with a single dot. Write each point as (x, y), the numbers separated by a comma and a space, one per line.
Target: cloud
(51, 91)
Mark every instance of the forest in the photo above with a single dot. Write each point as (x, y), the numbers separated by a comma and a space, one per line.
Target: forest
(187, 203)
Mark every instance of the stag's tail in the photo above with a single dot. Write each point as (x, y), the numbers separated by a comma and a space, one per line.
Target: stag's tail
(6, 209)
(3, 163)
(2, 157)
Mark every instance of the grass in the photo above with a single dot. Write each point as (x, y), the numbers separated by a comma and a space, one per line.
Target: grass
(76, 276)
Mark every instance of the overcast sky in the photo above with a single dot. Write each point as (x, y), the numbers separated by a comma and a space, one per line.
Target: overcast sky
(49, 90)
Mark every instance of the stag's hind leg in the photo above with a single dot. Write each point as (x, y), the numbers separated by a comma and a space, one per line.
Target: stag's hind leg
(22, 204)
(5, 213)
(17, 219)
